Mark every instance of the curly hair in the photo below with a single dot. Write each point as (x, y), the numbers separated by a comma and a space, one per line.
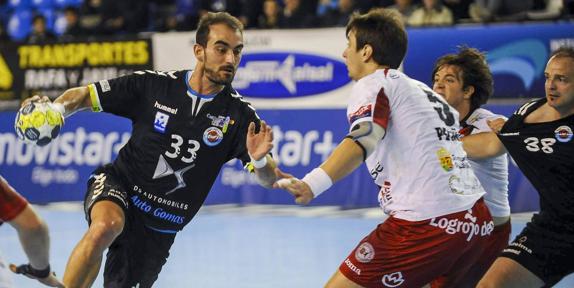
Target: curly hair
(475, 73)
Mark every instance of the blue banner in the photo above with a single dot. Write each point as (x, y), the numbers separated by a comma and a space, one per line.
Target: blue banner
(516, 53)
(304, 138)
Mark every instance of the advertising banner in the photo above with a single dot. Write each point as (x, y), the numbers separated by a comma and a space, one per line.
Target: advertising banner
(303, 140)
(280, 69)
(49, 69)
(516, 53)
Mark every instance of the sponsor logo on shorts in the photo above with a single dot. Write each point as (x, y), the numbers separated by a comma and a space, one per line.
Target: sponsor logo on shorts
(469, 228)
(365, 253)
(393, 280)
(563, 134)
(518, 244)
(352, 266)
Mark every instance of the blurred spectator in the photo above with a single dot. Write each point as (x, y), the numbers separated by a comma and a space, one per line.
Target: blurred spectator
(339, 15)
(3, 34)
(294, 16)
(72, 19)
(324, 5)
(91, 16)
(250, 12)
(39, 33)
(500, 10)
(569, 8)
(459, 8)
(184, 16)
(405, 7)
(432, 13)
(135, 14)
(310, 6)
(232, 7)
(271, 15)
(552, 9)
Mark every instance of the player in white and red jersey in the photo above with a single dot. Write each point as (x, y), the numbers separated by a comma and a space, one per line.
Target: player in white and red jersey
(34, 237)
(408, 137)
(465, 82)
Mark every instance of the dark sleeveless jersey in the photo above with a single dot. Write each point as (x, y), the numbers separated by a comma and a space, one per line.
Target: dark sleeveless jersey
(544, 152)
(179, 141)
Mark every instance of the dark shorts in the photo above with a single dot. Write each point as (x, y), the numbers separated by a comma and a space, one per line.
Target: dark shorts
(11, 203)
(546, 252)
(136, 257)
(400, 253)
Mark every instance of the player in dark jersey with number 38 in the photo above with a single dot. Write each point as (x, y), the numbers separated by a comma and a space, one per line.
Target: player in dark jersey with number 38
(186, 125)
(539, 138)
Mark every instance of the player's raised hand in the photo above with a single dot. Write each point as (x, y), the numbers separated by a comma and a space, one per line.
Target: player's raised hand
(299, 189)
(496, 124)
(28, 271)
(35, 98)
(259, 144)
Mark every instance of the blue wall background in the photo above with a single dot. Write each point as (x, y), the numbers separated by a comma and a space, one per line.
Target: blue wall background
(304, 138)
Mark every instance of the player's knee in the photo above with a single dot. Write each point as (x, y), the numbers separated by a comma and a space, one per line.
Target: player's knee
(485, 283)
(103, 232)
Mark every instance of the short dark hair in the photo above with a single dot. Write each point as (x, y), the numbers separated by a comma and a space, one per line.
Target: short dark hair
(563, 51)
(475, 73)
(384, 30)
(212, 18)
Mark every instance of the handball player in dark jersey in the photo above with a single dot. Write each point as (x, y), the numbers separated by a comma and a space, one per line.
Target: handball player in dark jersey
(185, 126)
(539, 138)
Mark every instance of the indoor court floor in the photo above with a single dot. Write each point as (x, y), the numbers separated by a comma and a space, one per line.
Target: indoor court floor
(230, 246)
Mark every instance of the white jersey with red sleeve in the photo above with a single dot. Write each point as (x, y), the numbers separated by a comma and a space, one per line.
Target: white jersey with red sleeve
(491, 172)
(420, 164)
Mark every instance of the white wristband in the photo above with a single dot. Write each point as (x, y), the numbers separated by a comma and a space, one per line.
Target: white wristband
(318, 180)
(258, 164)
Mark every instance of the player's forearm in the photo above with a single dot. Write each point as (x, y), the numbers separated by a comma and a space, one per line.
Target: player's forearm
(344, 160)
(33, 234)
(483, 145)
(266, 175)
(74, 99)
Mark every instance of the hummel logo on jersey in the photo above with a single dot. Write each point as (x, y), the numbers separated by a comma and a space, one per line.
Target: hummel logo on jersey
(165, 108)
(160, 122)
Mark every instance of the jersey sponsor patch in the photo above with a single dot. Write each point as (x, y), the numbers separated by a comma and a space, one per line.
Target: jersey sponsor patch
(362, 112)
(212, 136)
(563, 133)
(105, 85)
(220, 121)
(160, 122)
(445, 159)
(365, 253)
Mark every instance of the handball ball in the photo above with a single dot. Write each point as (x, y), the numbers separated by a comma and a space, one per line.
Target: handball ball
(38, 123)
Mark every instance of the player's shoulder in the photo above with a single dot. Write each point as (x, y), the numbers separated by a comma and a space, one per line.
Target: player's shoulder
(155, 75)
(238, 99)
(481, 114)
(380, 79)
(529, 106)
(479, 119)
